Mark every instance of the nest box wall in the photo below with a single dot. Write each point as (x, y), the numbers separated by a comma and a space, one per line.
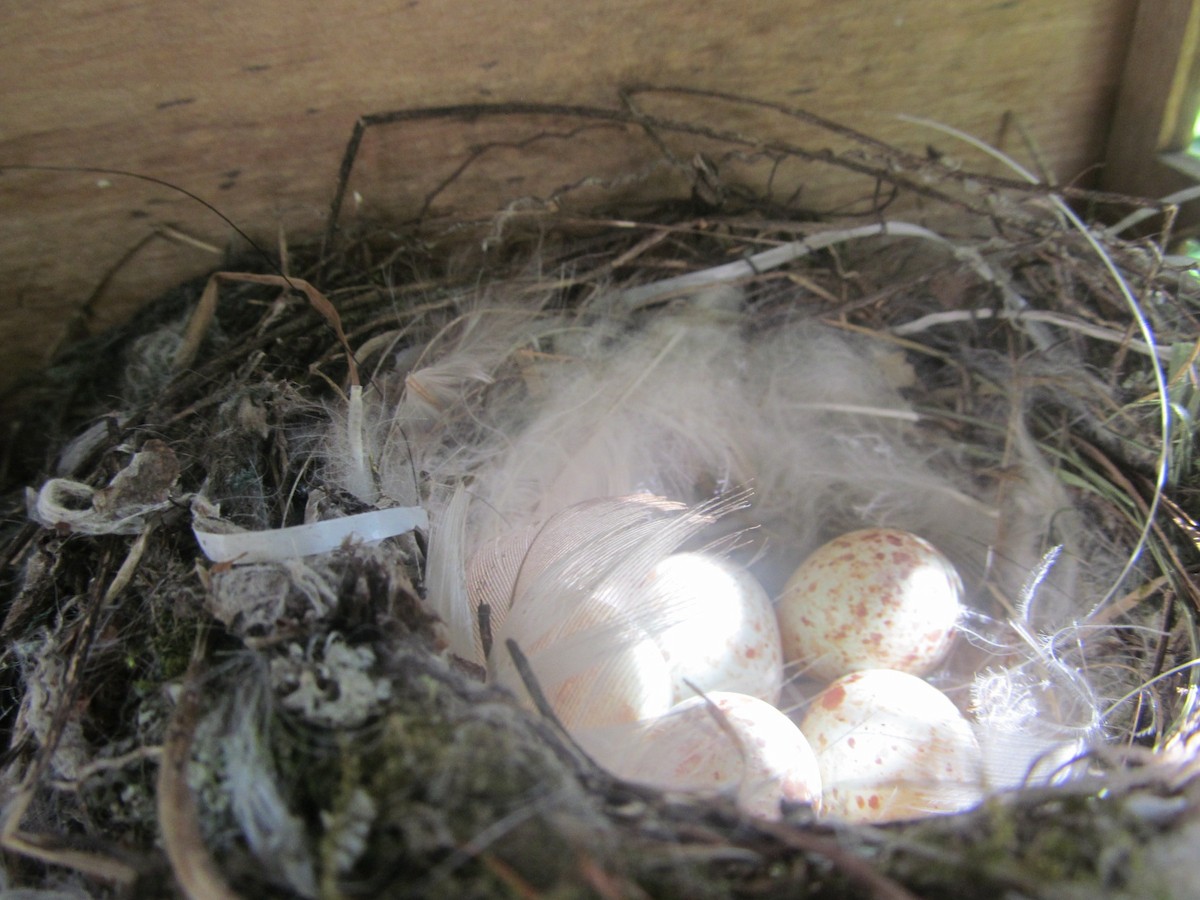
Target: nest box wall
(250, 106)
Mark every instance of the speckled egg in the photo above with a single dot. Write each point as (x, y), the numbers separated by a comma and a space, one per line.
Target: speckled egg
(878, 598)
(890, 746)
(729, 743)
(715, 625)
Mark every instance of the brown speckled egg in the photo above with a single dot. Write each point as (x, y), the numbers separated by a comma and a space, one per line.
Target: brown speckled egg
(890, 747)
(878, 598)
(725, 743)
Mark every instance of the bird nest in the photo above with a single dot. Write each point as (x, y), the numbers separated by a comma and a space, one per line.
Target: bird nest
(210, 684)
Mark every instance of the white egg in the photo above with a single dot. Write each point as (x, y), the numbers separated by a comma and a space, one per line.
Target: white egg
(518, 562)
(891, 746)
(715, 625)
(872, 599)
(558, 591)
(596, 669)
(729, 743)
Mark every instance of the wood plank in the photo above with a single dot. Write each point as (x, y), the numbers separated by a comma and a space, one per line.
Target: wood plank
(1158, 101)
(250, 105)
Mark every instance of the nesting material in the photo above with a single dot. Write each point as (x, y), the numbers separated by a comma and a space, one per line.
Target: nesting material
(494, 583)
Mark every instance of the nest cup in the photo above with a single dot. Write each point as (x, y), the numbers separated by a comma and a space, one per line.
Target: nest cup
(952, 352)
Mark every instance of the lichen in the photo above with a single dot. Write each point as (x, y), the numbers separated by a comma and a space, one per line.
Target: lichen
(334, 687)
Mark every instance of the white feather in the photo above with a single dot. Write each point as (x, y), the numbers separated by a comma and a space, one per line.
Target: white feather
(445, 576)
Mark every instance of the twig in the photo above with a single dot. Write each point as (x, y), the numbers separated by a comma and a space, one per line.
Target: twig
(108, 764)
(202, 316)
(876, 883)
(1098, 332)
(879, 172)
(194, 868)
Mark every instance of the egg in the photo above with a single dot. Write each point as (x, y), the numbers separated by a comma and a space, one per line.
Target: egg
(517, 562)
(878, 598)
(890, 746)
(725, 744)
(715, 625)
(592, 662)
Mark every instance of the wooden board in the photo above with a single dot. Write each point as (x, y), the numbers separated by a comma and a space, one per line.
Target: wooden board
(1158, 101)
(249, 105)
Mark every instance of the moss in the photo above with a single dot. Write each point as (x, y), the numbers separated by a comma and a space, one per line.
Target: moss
(460, 785)
(450, 792)
(1065, 845)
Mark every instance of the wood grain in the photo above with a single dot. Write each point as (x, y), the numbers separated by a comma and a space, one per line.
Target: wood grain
(250, 106)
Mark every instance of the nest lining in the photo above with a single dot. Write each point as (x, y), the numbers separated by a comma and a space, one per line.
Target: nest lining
(335, 748)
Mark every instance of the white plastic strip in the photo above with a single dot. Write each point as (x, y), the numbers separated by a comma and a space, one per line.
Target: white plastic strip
(279, 544)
